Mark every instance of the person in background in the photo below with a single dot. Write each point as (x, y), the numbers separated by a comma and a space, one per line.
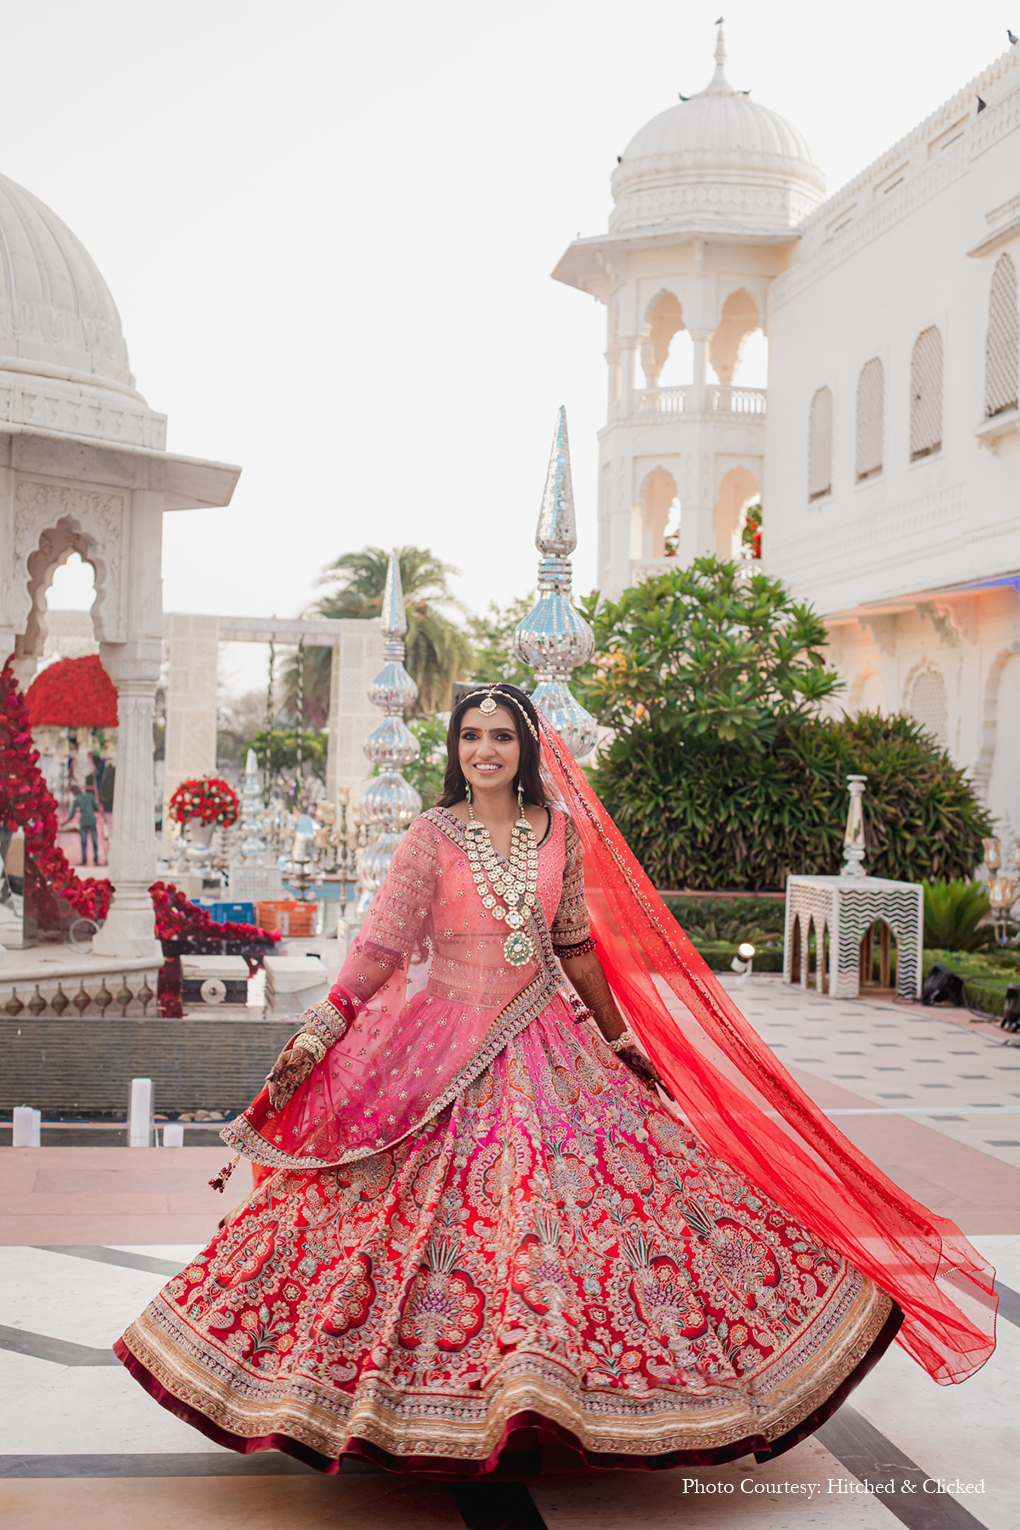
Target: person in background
(87, 810)
(106, 785)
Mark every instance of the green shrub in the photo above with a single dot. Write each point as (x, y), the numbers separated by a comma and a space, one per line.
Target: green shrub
(701, 812)
(729, 920)
(952, 913)
(719, 955)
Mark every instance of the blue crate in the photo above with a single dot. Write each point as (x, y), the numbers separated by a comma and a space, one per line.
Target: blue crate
(232, 913)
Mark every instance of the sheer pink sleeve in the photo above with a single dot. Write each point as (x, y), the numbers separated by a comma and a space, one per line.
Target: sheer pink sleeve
(394, 925)
(570, 930)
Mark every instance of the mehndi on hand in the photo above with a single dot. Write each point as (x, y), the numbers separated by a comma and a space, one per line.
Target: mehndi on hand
(288, 1073)
(645, 1070)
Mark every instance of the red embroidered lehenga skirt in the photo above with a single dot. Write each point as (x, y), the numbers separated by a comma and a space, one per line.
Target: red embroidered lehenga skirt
(552, 1273)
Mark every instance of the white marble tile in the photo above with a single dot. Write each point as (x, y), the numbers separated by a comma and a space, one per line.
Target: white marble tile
(20, 1373)
(967, 1431)
(67, 1298)
(1003, 1249)
(670, 1499)
(78, 1411)
(179, 1253)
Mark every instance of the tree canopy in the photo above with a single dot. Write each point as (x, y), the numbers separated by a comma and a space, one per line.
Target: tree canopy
(706, 649)
(438, 649)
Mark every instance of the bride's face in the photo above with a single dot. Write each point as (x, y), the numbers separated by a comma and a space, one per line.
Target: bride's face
(489, 751)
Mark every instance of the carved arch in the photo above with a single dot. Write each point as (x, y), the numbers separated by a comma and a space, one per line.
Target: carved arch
(925, 698)
(858, 687)
(982, 772)
(50, 522)
(664, 318)
(657, 496)
(740, 318)
(738, 488)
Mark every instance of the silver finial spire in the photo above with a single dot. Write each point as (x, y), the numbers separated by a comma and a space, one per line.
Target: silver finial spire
(556, 536)
(389, 800)
(554, 638)
(394, 616)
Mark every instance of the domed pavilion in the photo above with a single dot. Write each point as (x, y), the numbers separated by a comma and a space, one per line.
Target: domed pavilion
(708, 197)
(84, 468)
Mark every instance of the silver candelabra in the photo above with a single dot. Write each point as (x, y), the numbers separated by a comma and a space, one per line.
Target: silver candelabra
(389, 802)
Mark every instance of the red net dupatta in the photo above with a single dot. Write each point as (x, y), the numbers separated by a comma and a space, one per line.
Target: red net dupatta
(746, 1107)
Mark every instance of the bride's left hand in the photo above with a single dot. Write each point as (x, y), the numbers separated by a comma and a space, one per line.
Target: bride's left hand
(646, 1071)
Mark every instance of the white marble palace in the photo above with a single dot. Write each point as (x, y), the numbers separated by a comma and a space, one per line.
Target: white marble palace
(886, 447)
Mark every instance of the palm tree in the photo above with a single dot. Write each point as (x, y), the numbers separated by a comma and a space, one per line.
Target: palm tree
(438, 650)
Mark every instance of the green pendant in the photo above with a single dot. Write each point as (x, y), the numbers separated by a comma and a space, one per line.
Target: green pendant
(518, 949)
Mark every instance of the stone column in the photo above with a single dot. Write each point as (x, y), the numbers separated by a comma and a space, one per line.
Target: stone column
(628, 354)
(192, 644)
(130, 925)
(699, 387)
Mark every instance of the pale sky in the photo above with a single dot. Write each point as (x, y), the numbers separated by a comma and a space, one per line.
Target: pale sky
(329, 228)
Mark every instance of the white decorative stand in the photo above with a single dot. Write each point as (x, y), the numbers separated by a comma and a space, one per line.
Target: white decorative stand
(845, 908)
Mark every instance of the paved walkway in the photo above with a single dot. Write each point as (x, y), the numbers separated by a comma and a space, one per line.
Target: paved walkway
(90, 1234)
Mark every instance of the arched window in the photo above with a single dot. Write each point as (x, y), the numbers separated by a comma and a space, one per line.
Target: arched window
(820, 445)
(1003, 344)
(870, 422)
(926, 395)
(927, 704)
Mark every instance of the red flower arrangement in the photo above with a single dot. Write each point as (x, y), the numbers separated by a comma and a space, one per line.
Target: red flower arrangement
(208, 799)
(26, 803)
(72, 693)
(179, 919)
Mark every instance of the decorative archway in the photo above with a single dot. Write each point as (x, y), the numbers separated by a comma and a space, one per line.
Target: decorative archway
(663, 319)
(656, 500)
(738, 489)
(50, 523)
(867, 692)
(740, 318)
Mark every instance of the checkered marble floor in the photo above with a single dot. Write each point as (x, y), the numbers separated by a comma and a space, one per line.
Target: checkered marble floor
(931, 1064)
(79, 1436)
(79, 1440)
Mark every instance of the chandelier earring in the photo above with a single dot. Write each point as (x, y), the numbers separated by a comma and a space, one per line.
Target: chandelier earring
(520, 799)
(467, 792)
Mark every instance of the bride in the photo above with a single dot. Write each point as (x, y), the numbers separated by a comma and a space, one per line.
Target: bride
(531, 1194)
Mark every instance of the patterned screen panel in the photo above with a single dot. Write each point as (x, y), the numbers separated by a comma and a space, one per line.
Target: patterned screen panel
(927, 704)
(870, 413)
(820, 445)
(926, 395)
(1002, 349)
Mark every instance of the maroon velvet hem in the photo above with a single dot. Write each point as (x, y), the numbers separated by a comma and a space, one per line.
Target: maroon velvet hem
(530, 1445)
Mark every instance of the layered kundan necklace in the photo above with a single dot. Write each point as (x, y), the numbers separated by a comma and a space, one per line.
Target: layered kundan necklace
(515, 883)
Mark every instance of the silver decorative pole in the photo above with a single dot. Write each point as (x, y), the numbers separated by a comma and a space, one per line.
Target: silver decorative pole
(389, 801)
(554, 638)
(853, 838)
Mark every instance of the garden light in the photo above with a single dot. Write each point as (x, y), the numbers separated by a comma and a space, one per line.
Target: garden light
(742, 961)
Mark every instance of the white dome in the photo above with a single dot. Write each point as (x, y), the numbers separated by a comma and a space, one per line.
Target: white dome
(718, 157)
(57, 315)
(712, 122)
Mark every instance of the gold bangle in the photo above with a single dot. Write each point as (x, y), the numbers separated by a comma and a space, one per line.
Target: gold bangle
(311, 1043)
(628, 1039)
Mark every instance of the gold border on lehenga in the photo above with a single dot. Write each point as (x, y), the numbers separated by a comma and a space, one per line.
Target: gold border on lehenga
(604, 1421)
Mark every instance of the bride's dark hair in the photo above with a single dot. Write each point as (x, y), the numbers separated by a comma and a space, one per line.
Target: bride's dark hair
(529, 773)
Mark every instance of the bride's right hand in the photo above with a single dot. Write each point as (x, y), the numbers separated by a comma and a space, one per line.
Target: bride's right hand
(288, 1073)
